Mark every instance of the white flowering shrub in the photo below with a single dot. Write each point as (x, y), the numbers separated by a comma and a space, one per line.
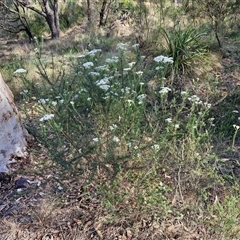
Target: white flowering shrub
(105, 113)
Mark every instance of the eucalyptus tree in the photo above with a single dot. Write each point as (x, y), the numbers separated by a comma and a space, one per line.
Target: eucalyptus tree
(14, 15)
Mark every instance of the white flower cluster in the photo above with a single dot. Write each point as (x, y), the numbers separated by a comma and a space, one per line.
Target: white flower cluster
(88, 65)
(141, 98)
(163, 59)
(46, 117)
(122, 46)
(195, 99)
(25, 91)
(140, 73)
(113, 59)
(102, 68)
(103, 83)
(20, 70)
(164, 90)
(112, 127)
(131, 64)
(155, 147)
(43, 101)
(130, 102)
(93, 52)
(116, 139)
(94, 73)
(127, 90)
(236, 126)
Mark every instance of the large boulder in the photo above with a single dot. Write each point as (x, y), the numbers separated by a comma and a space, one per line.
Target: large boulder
(12, 134)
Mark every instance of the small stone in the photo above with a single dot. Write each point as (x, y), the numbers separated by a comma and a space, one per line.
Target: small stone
(21, 183)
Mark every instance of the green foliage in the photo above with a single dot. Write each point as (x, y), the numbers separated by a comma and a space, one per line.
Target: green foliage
(225, 217)
(70, 15)
(186, 47)
(105, 118)
(38, 25)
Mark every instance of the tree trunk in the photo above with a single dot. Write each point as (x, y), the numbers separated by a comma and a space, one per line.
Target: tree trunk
(102, 13)
(89, 11)
(12, 133)
(52, 17)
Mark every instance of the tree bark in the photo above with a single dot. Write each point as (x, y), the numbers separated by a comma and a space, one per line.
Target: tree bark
(12, 134)
(102, 13)
(52, 17)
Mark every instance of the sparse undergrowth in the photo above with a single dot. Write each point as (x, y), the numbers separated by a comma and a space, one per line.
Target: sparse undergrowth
(124, 152)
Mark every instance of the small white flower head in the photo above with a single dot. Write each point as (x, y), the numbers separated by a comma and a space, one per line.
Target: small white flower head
(88, 99)
(104, 87)
(113, 59)
(127, 90)
(236, 126)
(93, 52)
(176, 126)
(122, 46)
(130, 102)
(46, 117)
(183, 93)
(116, 139)
(131, 64)
(82, 90)
(208, 105)
(140, 73)
(112, 127)
(80, 150)
(163, 59)
(135, 147)
(155, 147)
(71, 102)
(96, 139)
(129, 144)
(20, 70)
(54, 103)
(194, 99)
(25, 91)
(103, 83)
(43, 101)
(165, 90)
(102, 68)
(135, 45)
(61, 101)
(141, 98)
(168, 120)
(94, 73)
(88, 65)
(126, 69)
(235, 111)
(159, 68)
